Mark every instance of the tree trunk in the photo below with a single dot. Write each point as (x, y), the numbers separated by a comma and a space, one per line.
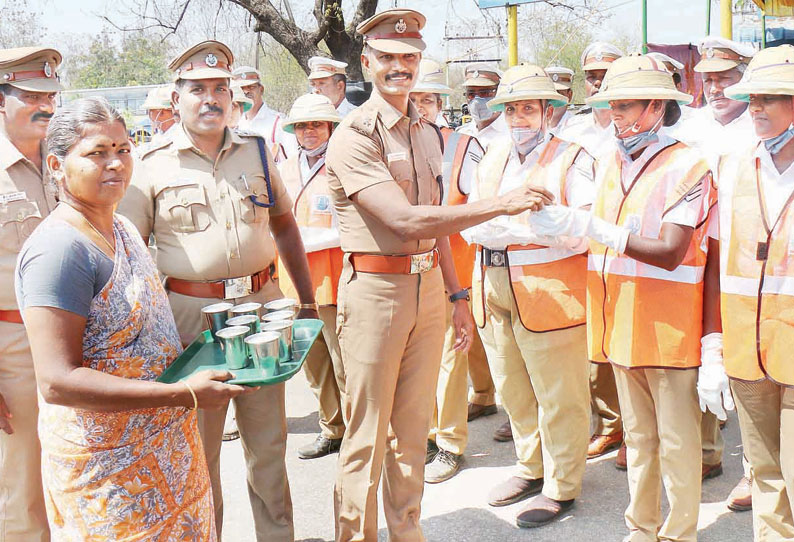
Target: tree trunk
(341, 39)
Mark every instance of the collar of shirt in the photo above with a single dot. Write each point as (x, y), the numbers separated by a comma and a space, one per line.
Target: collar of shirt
(515, 171)
(182, 140)
(390, 115)
(345, 107)
(307, 172)
(632, 167)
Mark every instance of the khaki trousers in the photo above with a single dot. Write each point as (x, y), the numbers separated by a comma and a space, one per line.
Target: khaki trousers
(391, 335)
(483, 390)
(326, 376)
(542, 380)
(661, 419)
(449, 425)
(604, 400)
(711, 439)
(23, 517)
(766, 421)
(261, 419)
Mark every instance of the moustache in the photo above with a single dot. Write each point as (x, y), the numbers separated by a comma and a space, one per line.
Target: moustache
(391, 76)
(210, 109)
(41, 116)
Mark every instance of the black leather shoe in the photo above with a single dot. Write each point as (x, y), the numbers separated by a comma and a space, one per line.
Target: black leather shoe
(321, 447)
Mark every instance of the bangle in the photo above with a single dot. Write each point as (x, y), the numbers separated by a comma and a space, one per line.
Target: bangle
(192, 394)
(310, 306)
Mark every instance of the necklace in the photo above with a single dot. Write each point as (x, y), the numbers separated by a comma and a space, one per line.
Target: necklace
(99, 233)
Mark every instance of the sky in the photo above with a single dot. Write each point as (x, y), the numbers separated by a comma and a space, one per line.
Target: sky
(669, 21)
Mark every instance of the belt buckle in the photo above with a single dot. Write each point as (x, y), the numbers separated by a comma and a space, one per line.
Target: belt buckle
(421, 263)
(237, 287)
(497, 258)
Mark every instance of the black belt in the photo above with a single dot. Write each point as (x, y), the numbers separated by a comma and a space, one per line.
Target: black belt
(494, 258)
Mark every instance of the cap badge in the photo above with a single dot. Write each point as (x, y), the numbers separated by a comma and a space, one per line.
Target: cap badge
(211, 60)
(599, 56)
(475, 74)
(47, 69)
(555, 77)
(400, 26)
(709, 53)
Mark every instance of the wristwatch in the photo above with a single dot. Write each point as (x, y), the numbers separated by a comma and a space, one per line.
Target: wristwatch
(457, 296)
(310, 306)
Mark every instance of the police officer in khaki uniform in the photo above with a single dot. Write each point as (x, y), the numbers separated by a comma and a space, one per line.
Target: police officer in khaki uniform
(28, 84)
(205, 196)
(383, 164)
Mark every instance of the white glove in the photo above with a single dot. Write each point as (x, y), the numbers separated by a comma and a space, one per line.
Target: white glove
(714, 391)
(559, 220)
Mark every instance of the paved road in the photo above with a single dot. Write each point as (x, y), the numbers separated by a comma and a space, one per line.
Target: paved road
(457, 511)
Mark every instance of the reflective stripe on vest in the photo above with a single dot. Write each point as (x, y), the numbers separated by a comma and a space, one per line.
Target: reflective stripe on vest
(455, 147)
(313, 209)
(640, 315)
(757, 280)
(548, 283)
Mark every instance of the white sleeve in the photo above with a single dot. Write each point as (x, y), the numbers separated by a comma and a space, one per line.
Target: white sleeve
(471, 160)
(690, 210)
(580, 189)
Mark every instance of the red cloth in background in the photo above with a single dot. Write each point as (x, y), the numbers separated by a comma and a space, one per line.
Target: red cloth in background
(688, 55)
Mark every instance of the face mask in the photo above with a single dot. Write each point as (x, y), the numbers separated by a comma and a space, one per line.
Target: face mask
(478, 109)
(526, 139)
(638, 141)
(775, 144)
(316, 152)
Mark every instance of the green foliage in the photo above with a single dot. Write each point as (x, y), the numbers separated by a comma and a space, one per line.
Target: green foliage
(138, 60)
(283, 78)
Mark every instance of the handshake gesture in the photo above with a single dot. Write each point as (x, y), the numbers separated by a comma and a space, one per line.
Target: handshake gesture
(525, 198)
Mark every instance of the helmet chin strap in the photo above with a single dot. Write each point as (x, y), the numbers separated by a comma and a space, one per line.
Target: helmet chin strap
(635, 128)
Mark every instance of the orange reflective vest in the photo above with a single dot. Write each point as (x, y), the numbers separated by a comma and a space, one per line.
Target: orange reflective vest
(639, 315)
(313, 209)
(756, 278)
(455, 147)
(548, 282)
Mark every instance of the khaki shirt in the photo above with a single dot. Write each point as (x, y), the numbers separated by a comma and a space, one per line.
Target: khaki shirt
(204, 223)
(377, 144)
(26, 197)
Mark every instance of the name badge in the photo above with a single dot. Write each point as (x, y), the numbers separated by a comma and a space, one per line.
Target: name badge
(396, 156)
(12, 196)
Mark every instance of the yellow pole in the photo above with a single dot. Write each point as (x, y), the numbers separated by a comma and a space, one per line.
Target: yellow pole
(726, 19)
(512, 35)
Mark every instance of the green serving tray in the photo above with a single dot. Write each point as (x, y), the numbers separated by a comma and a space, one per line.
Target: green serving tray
(204, 353)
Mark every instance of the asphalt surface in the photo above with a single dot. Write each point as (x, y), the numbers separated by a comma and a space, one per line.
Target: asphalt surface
(457, 510)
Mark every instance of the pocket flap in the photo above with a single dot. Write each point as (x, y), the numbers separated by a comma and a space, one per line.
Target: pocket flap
(19, 211)
(184, 195)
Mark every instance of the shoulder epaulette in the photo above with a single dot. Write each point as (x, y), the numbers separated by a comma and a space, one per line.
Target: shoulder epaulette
(156, 147)
(245, 133)
(362, 119)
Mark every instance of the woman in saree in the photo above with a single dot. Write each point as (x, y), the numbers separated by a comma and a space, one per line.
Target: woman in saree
(121, 453)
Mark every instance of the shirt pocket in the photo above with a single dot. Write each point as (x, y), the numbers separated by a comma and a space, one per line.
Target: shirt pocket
(18, 219)
(402, 171)
(252, 195)
(184, 208)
